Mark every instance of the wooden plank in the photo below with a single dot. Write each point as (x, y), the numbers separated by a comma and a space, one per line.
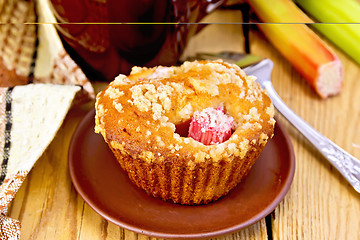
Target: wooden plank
(319, 205)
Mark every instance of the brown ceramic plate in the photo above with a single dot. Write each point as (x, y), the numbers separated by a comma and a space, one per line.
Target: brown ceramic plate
(102, 183)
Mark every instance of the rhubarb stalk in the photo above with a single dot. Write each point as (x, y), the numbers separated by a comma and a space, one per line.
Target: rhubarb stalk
(339, 18)
(211, 126)
(310, 56)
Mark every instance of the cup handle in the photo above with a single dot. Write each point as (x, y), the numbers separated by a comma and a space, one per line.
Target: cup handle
(208, 7)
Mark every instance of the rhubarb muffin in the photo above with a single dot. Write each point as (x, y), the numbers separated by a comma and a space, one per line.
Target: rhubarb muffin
(186, 134)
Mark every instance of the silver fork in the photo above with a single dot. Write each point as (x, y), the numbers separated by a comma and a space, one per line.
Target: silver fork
(346, 164)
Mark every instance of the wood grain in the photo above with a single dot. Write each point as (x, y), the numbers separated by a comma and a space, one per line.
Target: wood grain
(319, 205)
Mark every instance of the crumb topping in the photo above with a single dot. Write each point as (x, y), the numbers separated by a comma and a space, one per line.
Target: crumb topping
(121, 80)
(270, 110)
(136, 70)
(263, 138)
(150, 102)
(113, 93)
(186, 112)
(118, 107)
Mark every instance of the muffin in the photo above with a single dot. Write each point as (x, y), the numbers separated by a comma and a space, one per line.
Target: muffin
(153, 121)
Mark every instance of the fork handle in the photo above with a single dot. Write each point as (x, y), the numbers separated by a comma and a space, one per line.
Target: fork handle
(346, 164)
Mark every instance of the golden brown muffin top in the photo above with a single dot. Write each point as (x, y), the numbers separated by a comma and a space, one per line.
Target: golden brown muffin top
(138, 114)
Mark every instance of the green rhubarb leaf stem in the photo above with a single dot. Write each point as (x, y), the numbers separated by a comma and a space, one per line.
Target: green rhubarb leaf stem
(339, 21)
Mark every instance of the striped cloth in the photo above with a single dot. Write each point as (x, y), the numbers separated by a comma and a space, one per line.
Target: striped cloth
(30, 116)
(39, 81)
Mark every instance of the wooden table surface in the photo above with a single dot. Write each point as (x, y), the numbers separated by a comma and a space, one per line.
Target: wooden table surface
(319, 205)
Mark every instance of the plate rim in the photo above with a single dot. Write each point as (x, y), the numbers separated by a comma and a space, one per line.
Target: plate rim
(257, 217)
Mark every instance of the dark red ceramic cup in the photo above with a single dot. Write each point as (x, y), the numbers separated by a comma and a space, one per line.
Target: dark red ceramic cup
(108, 37)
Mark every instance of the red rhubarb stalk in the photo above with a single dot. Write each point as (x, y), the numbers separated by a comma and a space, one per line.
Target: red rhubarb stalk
(309, 55)
(211, 126)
